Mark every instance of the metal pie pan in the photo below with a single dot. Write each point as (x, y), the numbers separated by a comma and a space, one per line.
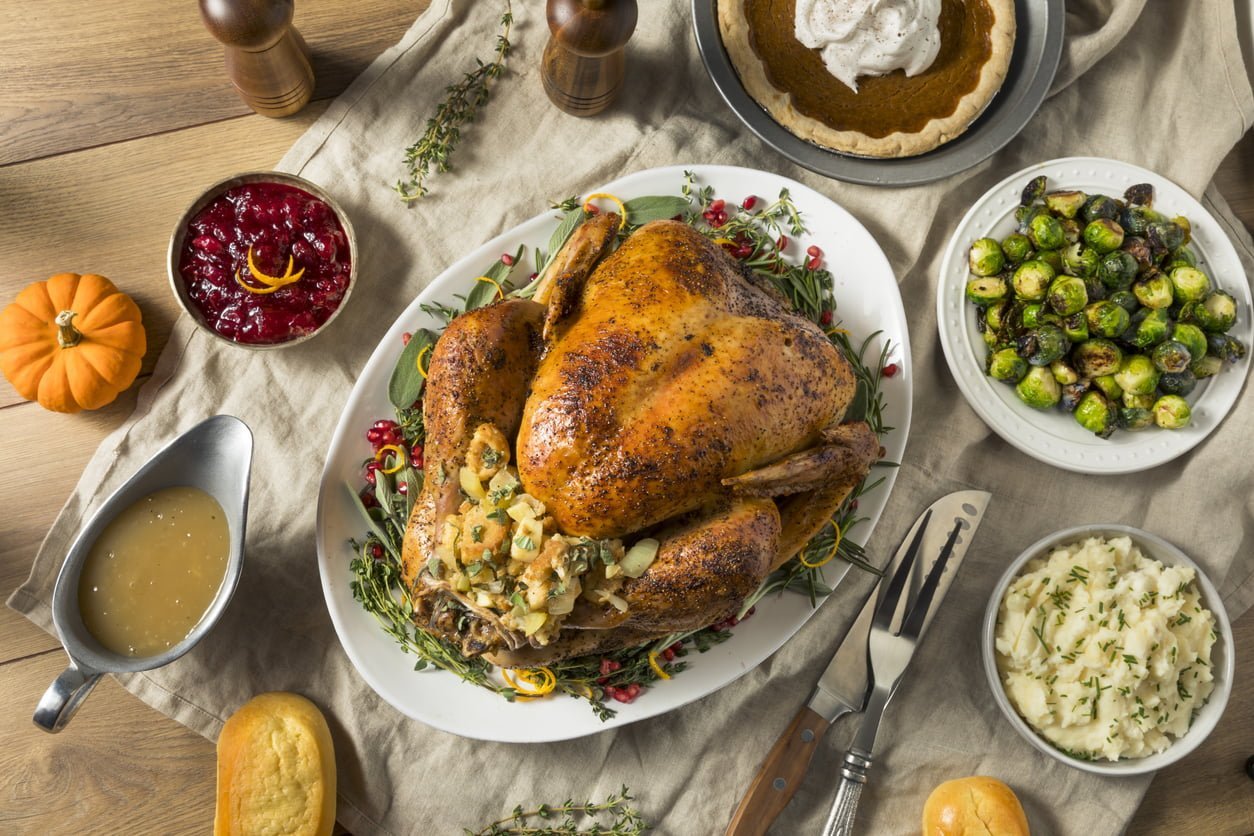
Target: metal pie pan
(1038, 48)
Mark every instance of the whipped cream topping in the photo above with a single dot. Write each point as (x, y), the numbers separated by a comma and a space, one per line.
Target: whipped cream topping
(870, 37)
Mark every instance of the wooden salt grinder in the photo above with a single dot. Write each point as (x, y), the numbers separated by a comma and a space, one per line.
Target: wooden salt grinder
(584, 61)
(266, 58)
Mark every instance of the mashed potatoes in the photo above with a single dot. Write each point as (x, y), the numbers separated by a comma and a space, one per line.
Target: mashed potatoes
(1105, 652)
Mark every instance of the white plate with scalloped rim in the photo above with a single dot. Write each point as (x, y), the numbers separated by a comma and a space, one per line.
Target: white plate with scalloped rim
(867, 301)
(1053, 436)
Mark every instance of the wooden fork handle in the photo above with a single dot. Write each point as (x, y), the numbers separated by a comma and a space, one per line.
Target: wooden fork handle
(780, 775)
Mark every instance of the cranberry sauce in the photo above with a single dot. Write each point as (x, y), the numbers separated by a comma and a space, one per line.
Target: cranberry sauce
(277, 222)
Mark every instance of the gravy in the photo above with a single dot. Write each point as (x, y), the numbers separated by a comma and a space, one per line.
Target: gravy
(154, 570)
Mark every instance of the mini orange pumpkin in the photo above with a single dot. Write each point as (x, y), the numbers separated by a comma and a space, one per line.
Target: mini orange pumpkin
(73, 342)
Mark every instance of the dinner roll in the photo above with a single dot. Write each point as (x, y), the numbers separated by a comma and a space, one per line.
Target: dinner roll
(975, 806)
(276, 770)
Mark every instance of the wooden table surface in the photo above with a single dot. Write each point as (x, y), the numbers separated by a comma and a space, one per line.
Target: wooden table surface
(106, 133)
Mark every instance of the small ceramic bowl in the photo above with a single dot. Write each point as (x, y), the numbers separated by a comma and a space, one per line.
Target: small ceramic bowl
(173, 255)
(1222, 656)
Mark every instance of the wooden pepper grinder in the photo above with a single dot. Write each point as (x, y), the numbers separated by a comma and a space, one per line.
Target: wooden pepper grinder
(584, 61)
(266, 58)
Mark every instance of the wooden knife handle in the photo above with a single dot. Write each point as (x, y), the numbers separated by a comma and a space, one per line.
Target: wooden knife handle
(780, 775)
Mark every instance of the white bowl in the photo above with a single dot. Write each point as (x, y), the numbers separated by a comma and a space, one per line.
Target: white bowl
(1222, 656)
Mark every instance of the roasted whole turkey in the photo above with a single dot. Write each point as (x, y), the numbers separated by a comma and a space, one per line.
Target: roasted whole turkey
(627, 454)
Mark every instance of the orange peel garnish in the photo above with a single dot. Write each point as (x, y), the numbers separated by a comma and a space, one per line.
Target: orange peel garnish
(831, 331)
(722, 242)
(622, 210)
(418, 360)
(260, 291)
(288, 276)
(539, 681)
(827, 558)
(396, 452)
(500, 291)
(657, 669)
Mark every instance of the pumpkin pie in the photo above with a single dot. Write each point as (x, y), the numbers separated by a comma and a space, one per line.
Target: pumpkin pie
(891, 115)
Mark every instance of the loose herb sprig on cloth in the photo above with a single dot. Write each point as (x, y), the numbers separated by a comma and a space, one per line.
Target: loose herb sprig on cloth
(756, 233)
(443, 131)
(612, 817)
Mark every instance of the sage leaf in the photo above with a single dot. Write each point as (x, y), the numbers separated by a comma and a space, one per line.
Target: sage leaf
(375, 528)
(406, 384)
(641, 210)
(570, 222)
(485, 292)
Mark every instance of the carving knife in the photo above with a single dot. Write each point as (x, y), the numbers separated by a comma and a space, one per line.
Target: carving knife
(842, 688)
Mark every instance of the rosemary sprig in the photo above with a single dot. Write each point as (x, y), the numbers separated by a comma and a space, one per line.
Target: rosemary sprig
(612, 817)
(443, 131)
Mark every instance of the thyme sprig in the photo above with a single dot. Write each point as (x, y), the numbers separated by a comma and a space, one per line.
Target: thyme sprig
(612, 817)
(431, 152)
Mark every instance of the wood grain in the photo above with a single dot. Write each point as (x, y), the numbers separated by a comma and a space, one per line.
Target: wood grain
(779, 776)
(75, 74)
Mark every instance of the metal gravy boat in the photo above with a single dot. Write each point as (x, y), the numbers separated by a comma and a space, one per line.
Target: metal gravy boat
(214, 456)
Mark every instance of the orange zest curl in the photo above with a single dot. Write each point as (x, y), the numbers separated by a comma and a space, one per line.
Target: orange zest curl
(500, 291)
(288, 276)
(426, 349)
(831, 553)
(622, 210)
(657, 669)
(531, 683)
(397, 453)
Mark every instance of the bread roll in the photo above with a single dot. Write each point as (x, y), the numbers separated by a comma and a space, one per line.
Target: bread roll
(976, 806)
(276, 770)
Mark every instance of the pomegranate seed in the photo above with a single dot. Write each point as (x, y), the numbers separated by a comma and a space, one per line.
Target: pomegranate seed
(611, 692)
(591, 209)
(813, 251)
(749, 203)
(634, 689)
(368, 498)
(371, 467)
(507, 259)
(376, 551)
(781, 243)
(744, 251)
(402, 488)
(406, 337)
(415, 456)
(718, 205)
(608, 666)
(825, 318)
(676, 647)
(668, 655)
(890, 370)
(385, 424)
(749, 614)
(813, 263)
(532, 276)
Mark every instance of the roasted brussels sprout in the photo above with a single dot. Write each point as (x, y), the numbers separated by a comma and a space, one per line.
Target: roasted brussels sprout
(1177, 383)
(986, 257)
(1093, 358)
(1065, 203)
(1097, 290)
(1141, 194)
(1063, 372)
(1071, 230)
(1171, 356)
(1127, 300)
(1051, 257)
(1031, 315)
(1181, 257)
(1067, 295)
(1136, 220)
(1137, 375)
(1099, 207)
(1164, 235)
(1025, 214)
(1135, 418)
(1117, 270)
(1043, 345)
(1146, 402)
(1096, 414)
(1139, 249)
(1225, 347)
(1189, 284)
(1038, 389)
(1106, 319)
(1103, 235)
(1149, 327)
(995, 315)
(1033, 191)
(1191, 337)
(1107, 386)
(1171, 412)
(1017, 248)
(1072, 393)
(1185, 227)
(1007, 365)
(1207, 366)
(1216, 312)
(1031, 280)
(1079, 260)
(1076, 327)
(1046, 232)
(1154, 290)
(986, 290)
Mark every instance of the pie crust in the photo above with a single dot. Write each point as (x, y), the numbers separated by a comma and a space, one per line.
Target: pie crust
(735, 27)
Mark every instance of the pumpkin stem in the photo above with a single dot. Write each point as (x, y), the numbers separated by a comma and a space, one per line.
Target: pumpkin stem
(67, 335)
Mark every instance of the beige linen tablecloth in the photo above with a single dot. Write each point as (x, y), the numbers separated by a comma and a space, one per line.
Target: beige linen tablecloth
(1162, 87)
